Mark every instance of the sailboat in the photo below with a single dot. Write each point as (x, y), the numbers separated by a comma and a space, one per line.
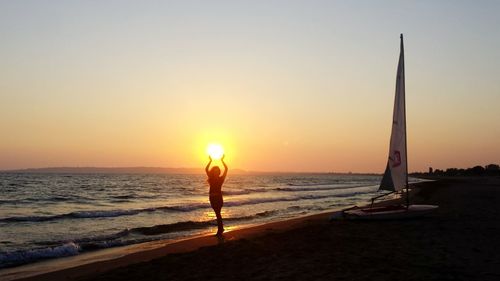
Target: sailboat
(396, 172)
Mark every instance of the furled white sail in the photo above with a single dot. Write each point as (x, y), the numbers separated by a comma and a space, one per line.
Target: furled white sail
(396, 172)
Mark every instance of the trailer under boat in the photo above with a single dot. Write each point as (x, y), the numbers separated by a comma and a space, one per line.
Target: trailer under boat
(388, 212)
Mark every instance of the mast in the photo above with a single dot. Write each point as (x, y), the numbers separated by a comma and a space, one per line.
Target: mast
(406, 136)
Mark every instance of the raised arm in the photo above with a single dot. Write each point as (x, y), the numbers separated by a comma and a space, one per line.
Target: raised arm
(225, 166)
(208, 165)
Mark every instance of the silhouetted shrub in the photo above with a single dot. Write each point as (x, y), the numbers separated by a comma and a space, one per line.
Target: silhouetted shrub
(476, 171)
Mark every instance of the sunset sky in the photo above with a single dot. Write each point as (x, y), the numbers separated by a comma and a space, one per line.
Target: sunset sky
(282, 85)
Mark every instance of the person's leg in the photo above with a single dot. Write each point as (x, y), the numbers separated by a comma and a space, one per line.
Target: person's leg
(216, 203)
(220, 226)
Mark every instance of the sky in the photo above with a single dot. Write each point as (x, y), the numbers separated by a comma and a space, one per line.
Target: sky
(282, 85)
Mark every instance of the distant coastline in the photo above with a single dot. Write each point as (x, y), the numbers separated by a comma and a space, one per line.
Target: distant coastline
(153, 170)
(488, 170)
(109, 170)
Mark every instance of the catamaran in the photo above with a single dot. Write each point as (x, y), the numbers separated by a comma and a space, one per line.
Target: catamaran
(396, 172)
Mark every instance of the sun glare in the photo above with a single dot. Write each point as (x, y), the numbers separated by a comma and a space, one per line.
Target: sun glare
(215, 151)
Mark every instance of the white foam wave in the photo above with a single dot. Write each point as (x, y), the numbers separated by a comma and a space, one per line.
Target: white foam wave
(21, 257)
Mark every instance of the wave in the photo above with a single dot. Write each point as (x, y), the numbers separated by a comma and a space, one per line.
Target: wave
(186, 207)
(55, 249)
(294, 198)
(292, 188)
(74, 215)
(174, 227)
(194, 225)
(52, 199)
(323, 187)
(127, 196)
(245, 191)
(94, 214)
(260, 200)
(15, 258)
(310, 184)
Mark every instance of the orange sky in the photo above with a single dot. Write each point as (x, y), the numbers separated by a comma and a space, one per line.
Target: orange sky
(283, 86)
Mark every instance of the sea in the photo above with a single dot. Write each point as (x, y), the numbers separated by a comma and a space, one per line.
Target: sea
(44, 216)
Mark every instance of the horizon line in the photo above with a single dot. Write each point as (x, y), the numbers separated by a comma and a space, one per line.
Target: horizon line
(187, 170)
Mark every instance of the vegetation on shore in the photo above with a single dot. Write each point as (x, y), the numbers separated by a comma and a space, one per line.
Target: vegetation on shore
(476, 171)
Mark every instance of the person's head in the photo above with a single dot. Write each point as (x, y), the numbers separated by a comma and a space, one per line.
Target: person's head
(214, 172)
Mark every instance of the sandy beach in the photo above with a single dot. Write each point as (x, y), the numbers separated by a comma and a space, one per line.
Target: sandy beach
(458, 242)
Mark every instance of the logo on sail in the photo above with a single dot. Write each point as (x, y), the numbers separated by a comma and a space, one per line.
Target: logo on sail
(396, 158)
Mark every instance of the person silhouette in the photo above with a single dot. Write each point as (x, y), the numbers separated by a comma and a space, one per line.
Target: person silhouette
(215, 181)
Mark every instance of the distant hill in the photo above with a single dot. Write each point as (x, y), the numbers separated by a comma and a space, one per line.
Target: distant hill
(152, 170)
(114, 170)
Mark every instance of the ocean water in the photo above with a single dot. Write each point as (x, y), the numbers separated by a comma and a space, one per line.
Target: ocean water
(55, 215)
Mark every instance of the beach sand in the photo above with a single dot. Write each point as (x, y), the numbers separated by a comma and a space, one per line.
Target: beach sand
(460, 241)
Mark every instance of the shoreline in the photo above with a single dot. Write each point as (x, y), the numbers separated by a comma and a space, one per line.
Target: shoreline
(61, 223)
(459, 241)
(78, 266)
(100, 261)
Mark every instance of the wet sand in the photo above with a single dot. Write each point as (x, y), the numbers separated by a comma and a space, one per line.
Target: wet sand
(461, 241)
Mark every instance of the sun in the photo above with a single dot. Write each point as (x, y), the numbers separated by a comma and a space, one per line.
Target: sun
(215, 151)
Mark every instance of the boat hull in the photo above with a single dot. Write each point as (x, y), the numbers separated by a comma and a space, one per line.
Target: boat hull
(389, 212)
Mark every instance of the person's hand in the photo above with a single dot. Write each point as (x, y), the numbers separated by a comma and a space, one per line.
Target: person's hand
(222, 158)
(210, 158)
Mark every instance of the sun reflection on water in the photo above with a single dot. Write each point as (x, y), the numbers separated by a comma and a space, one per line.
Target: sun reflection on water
(209, 215)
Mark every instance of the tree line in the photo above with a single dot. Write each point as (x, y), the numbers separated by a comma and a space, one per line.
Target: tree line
(488, 170)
